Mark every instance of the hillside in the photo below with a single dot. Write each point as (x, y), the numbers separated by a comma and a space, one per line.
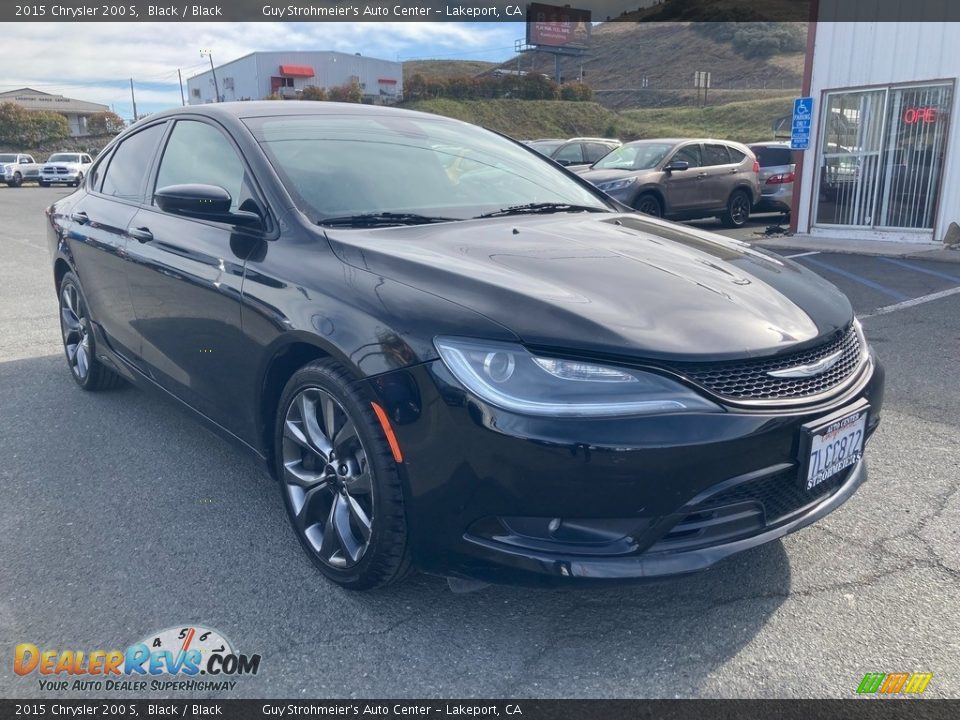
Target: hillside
(668, 54)
(443, 69)
(527, 119)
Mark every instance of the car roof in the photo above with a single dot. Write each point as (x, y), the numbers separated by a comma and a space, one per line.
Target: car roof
(273, 108)
(770, 143)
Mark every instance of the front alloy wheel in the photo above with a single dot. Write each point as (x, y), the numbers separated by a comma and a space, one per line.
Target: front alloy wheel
(339, 478)
(328, 478)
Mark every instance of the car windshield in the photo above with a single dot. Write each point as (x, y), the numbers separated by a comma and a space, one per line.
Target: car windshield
(409, 169)
(8, 158)
(64, 157)
(635, 156)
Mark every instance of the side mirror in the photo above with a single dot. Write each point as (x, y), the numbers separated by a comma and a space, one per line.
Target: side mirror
(676, 165)
(204, 202)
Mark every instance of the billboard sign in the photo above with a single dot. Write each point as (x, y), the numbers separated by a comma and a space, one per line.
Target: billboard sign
(556, 26)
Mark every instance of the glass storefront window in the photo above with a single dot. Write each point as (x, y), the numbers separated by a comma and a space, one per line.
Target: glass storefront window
(881, 156)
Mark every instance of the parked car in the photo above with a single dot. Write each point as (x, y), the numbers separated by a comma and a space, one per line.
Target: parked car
(581, 151)
(777, 173)
(505, 378)
(681, 179)
(65, 168)
(18, 168)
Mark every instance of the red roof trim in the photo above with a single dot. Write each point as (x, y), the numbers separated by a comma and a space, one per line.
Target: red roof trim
(297, 71)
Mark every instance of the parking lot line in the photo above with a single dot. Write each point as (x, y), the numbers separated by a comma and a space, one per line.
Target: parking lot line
(859, 279)
(803, 254)
(911, 303)
(917, 268)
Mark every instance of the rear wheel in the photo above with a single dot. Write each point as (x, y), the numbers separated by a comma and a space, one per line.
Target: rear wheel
(78, 342)
(738, 210)
(339, 480)
(648, 204)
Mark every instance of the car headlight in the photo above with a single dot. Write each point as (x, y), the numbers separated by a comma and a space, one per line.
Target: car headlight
(507, 376)
(616, 184)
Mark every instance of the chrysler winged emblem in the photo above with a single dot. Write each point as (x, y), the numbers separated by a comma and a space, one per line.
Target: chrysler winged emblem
(804, 371)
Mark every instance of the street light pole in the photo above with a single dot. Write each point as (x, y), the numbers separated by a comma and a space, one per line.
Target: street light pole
(216, 86)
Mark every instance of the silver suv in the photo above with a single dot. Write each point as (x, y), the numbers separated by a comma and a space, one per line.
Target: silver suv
(681, 179)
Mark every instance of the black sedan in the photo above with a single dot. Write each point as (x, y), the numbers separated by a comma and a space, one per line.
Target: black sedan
(456, 356)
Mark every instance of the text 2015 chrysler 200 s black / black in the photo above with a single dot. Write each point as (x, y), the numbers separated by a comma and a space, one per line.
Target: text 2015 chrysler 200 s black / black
(455, 355)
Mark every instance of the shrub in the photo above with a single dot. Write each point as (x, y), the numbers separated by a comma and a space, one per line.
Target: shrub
(27, 128)
(350, 93)
(312, 92)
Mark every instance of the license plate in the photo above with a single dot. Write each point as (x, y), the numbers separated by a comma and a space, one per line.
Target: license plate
(835, 446)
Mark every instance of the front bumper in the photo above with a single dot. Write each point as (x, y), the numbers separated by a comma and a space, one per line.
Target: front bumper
(631, 498)
(54, 179)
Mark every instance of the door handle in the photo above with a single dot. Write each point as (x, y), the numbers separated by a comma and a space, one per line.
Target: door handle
(141, 235)
(701, 176)
(80, 217)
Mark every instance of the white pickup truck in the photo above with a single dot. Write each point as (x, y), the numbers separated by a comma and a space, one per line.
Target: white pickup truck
(66, 168)
(18, 168)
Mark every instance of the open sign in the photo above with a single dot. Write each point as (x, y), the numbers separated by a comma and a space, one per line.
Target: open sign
(914, 115)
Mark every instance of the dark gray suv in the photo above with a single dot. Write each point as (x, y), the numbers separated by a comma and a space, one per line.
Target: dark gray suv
(681, 179)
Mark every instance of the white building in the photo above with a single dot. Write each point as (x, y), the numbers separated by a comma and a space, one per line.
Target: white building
(76, 111)
(884, 157)
(261, 74)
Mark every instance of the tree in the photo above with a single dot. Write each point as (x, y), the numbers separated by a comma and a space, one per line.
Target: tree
(312, 92)
(104, 123)
(350, 93)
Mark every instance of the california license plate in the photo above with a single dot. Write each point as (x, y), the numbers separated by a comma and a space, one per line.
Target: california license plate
(835, 446)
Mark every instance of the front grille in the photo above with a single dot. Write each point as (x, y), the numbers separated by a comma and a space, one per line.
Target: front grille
(744, 510)
(748, 380)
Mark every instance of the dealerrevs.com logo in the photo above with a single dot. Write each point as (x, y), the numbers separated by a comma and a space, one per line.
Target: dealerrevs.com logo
(188, 658)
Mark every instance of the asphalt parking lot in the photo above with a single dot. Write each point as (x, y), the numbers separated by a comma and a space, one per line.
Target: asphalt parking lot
(120, 517)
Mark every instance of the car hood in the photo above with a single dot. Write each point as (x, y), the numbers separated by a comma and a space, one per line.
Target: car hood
(609, 284)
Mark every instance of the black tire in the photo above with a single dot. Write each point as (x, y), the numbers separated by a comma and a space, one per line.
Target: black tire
(346, 506)
(79, 181)
(78, 340)
(41, 183)
(648, 204)
(738, 210)
(17, 180)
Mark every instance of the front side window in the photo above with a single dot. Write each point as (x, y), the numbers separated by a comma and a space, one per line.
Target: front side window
(572, 153)
(690, 155)
(348, 165)
(198, 153)
(128, 166)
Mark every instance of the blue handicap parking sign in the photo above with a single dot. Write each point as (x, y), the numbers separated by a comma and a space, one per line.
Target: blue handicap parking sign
(800, 129)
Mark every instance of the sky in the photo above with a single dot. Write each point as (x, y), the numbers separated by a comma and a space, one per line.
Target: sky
(58, 58)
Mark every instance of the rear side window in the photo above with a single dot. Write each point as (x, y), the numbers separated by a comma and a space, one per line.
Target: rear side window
(125, 175)
(689, 154)
(199, 153)
(769, 156)
(715, 155)
(735, 155)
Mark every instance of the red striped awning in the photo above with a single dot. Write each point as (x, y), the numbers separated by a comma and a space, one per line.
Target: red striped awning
(304, 71)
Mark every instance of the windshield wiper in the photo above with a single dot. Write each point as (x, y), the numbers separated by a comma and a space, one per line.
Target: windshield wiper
(381, 219)
(541, 208)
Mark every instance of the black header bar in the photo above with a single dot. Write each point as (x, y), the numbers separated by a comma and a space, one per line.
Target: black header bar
(476, 11)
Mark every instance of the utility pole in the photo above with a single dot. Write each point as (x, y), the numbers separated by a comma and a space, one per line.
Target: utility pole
(180, 78)
(134, 99)
(216, 86)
